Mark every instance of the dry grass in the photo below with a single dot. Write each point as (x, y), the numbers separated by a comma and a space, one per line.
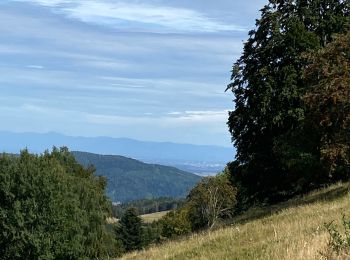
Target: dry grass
(292, 230)
(149, 218)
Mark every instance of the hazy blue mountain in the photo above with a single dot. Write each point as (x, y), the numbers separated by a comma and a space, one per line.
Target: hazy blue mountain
(129, 179)
(202, 159)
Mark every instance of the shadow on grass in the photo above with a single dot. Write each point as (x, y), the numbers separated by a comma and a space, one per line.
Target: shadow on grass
(322, 195)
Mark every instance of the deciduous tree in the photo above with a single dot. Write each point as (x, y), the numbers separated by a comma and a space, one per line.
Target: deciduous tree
(213, 198)
(328, 103)
(267, 124)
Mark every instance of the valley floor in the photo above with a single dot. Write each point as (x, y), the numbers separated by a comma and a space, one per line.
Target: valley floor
(291, 230)
(149, 218)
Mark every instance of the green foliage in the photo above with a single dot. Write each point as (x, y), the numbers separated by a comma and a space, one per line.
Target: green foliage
(277, 152)
(176, 223)
(212, 199)
(129, 230)
(147, 206)
(151, 233)
(52, 208)
(338, 242)
(130, 179)
(133, 234)
(328, 103)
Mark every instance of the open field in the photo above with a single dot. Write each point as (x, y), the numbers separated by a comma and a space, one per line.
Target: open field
(291, 230)
(149, 218)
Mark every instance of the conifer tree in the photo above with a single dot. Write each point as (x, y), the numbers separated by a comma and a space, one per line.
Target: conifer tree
(130, 230)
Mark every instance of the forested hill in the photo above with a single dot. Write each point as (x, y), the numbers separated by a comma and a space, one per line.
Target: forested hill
(129, 179)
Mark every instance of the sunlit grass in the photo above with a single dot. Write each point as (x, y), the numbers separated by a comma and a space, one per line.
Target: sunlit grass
(149, 218)
(290, 230)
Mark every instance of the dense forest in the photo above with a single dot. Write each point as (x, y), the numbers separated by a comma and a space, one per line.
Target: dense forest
(290, 126)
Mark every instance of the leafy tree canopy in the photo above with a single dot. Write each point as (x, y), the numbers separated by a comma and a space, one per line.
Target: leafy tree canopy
(268, 85)
(52, 208)
(328, 103)
(212, 199)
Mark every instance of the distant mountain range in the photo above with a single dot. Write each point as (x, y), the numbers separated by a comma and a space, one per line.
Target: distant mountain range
(129, 179)
(199, 159)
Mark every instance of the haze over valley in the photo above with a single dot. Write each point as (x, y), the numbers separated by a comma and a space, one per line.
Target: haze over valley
(198, 159)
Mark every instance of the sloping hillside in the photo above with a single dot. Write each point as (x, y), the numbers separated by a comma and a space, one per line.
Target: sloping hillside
(129, 179)
(292, 230)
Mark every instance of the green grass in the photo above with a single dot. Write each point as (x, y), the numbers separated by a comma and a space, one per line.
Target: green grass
(290, 230)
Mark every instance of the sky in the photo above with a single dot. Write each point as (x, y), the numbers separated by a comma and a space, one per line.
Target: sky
(145, 69)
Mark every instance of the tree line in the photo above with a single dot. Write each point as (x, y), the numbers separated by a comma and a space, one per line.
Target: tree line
(147, 206)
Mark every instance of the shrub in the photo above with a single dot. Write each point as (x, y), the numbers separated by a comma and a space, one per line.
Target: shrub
(176, 223)
(339, 243)
(52, 208)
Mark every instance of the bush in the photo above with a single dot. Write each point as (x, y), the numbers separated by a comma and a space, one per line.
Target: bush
(338, 244)
(52, 208)
(176, 223)
(151, 233)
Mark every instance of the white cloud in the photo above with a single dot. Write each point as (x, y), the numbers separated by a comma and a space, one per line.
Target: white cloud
(172, 118)
(174, 113)
(39, 67)
(116, 12)
(203, 116)
(50, 3)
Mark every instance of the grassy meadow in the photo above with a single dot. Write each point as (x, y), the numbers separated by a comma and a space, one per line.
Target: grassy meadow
(149, 218)
(290, 230)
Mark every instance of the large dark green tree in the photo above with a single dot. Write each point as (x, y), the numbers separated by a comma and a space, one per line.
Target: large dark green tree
(130, 230)
(275, 155)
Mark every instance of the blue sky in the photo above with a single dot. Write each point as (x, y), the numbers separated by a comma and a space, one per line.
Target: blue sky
(144, 69)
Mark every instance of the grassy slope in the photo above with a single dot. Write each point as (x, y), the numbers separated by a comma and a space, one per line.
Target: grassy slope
(149, 218)
(291, 230)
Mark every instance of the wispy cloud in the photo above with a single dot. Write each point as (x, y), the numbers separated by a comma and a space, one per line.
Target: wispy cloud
(137, 15)
(50, 3)
(60, 72)
(204, 116)
(39, 67)
(170, 119)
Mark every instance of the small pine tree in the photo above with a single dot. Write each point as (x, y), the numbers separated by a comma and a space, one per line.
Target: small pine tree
(130, 230)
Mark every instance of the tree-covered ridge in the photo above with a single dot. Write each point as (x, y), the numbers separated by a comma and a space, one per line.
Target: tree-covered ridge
(52, 208)
(129, 179)
(277, 150)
